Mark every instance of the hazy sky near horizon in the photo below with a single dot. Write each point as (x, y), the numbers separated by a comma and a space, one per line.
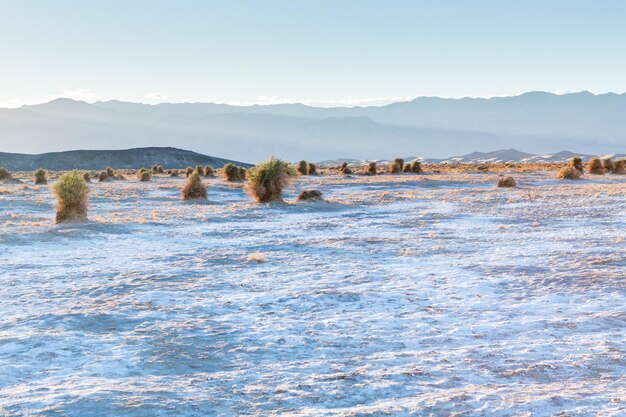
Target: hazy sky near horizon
(318, 52)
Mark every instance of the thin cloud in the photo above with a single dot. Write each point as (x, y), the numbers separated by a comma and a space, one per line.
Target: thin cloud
(155, 96)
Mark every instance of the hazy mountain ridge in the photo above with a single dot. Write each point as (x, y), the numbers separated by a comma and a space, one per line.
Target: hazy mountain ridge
(100, 159)
(429, 126)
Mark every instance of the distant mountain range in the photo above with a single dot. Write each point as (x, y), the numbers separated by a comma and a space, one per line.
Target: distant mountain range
(429, 126)
(100, 159)
(179, 158)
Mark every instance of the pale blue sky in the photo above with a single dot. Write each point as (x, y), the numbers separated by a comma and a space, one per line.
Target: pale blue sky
(318, 52)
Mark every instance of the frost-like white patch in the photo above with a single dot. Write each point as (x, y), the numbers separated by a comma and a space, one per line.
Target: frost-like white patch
(401, 296)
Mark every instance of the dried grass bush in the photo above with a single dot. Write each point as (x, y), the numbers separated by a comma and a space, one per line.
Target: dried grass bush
(232, 172)
(242, 173)
(71, 192)
(594, 166)
(395, 168)
(4, 174)
(86, 176)
(400, 163)
(302, 168)
(209, 171)
(110, 172)
(314, 195)
(345, 169)
(406, 168)
(620, 167)
(188, 171)
(144, 175)
(174, 173)
(104, 177)
(569, 172)
(193, 188)
(267, 180)
(608, 165)
(577, 163)
(507, 182)
(416, 167)
(40, 176)
(311, 169)
(371, 168)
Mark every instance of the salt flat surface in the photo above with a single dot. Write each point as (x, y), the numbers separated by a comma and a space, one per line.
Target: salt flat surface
(402, 295)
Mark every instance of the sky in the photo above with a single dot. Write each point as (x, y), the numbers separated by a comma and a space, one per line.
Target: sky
(324, 53)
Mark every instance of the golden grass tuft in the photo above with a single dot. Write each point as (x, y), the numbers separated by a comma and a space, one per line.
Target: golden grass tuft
(608, 165)
(209, 171)
(394, 168)
(199, 169)
(193, 188)
(232, 172)
(507, 182)
(620, 167)
(110, 172)
(345, 169)
(577, 163)
(311, 169)
(372, 168)
(595, 166)
(4, 174)
(71, 192)
(416, 167)
(256, 257)
(144, 175)
(86, 177)
(174, 173)
(302, 168)
(399, 162)
(267, 180)
(406, 168)
(104, 177)
(188, 171)
(568, 172)
(40, 176)
(314, 195)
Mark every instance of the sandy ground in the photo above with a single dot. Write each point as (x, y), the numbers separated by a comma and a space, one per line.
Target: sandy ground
(434, 294)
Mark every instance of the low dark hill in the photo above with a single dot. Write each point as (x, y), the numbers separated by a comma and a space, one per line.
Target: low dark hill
(100, 159)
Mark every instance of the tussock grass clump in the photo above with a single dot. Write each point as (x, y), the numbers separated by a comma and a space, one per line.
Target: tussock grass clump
(345, 169)
(104, 177)
(577, 163)
(311, 169)
(620, 167)
(569, 172)
(86, 177)
(209, 171)
(40, 176)
(157, 169)
(4, 174)
(314, 195)
(395, 168)
(193, 188)
(302, 168)
(595, 166)
(416, 167)
(372, 168)
(400, 163)
(242, 173)
(608, 165)
(267, 180)
(233, 173)
(144, 175)
(406, 168)
(174, 173)
(71, 192)
(507, 182)
(199, 169)
(188, 171)
(110, 172)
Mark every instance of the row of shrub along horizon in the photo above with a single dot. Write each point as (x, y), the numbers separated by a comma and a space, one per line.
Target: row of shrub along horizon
(596, 166)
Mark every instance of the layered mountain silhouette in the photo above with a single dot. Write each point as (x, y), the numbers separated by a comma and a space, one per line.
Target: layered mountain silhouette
(428, 126)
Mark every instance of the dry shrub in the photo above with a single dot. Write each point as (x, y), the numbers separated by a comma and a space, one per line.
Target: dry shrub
(406, 168)
(104, 177)
(174, 173)
(595, 166)
(193, 188)
(231, 172)
(40, 176)
(311, 169)
(4, 174)
(620, 167)
(242, 173)
(507, 182)
(345, 169)
(110, 172)
(371, 168)
(267, 180)
(199, 169)
(314, 195)
(302, 168)
(416, 167)
(188, 171)
(209, 171)
(399, 162)
(155, 169)
(71, 192)
(86, 177)
(395, 168)
(568, 172)
(608, 165)
(577, 163)
(144, 175)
